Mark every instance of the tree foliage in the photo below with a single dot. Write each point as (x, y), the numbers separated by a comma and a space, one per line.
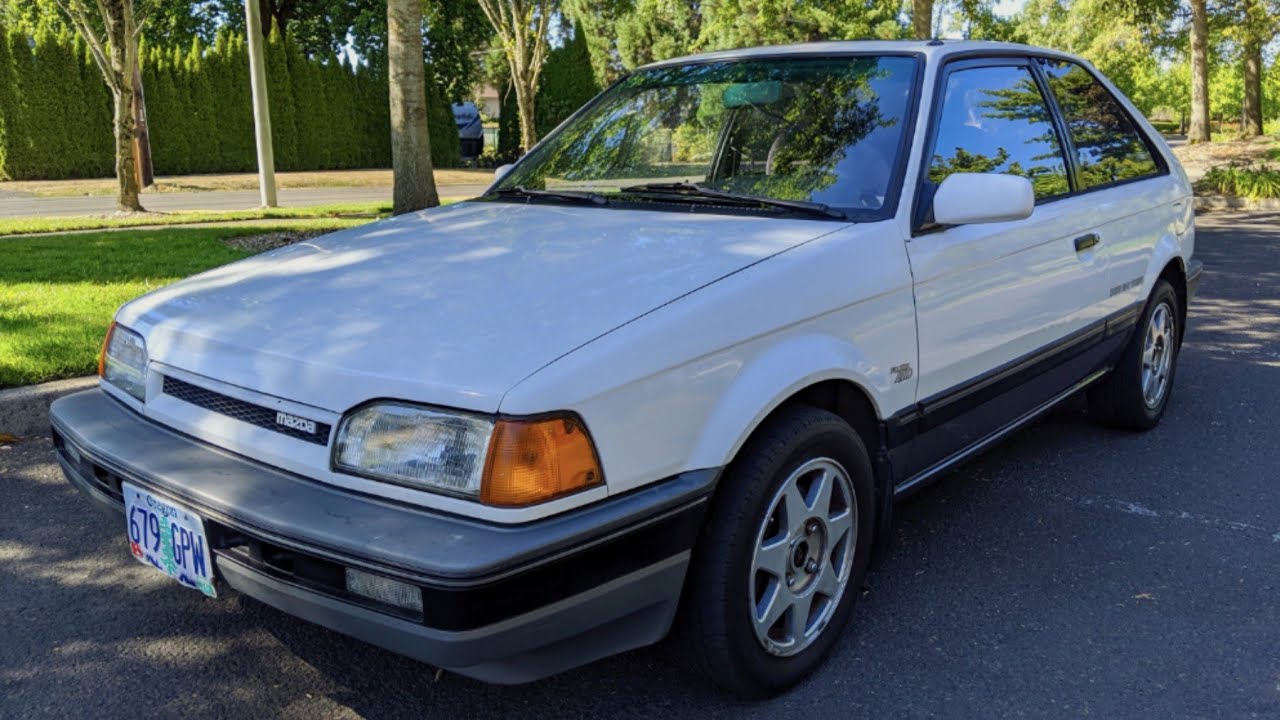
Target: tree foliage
(568, 82)
(55, 111)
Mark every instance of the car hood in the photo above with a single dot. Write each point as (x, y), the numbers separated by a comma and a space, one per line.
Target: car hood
(452, 306)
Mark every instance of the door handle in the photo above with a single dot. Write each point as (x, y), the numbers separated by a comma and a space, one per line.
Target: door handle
(1084, 242)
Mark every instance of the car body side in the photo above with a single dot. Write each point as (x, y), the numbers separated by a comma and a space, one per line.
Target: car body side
(684, 386)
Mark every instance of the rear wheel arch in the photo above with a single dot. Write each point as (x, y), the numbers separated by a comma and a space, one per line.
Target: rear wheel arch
(1175, 272)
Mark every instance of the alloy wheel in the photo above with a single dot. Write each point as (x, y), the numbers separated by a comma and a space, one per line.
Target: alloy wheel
(803, 554)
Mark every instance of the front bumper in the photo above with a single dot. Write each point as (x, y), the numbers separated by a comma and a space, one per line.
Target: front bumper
(500, 603)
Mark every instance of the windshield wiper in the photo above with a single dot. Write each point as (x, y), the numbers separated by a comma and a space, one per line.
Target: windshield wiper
(574, 196)
(687, 189)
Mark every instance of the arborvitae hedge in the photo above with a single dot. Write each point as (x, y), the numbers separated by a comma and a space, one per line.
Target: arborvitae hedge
(508, 124)
(55, 110)
(568, 82)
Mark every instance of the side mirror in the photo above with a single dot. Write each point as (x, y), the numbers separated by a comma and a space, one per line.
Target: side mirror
(501, 171)
(968, 198)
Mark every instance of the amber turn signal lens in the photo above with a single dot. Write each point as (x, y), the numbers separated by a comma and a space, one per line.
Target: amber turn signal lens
(102, 354)
(532, 461)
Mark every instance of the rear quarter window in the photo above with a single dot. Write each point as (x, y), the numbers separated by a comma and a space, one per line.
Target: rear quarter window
(1109, 147)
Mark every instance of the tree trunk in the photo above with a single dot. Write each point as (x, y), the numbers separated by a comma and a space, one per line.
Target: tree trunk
(126, 161)
(1199, 130)
(1252, 125)
(922, 19)
(123, 52)
(142, 136)
(415, 186)
(525, 102)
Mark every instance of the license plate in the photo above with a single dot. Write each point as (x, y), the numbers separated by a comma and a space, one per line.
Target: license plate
(169, 538)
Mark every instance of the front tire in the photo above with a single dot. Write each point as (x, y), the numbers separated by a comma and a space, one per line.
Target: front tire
(782, 556)
(1135, 394)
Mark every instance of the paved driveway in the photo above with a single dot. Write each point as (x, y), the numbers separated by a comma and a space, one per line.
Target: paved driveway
(1074, 571)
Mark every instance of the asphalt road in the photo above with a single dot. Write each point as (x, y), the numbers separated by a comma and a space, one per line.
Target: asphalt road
(1074, 571)
(19, 205)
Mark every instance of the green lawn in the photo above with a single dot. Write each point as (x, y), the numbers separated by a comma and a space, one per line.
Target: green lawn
(59, 292)
(28, 225)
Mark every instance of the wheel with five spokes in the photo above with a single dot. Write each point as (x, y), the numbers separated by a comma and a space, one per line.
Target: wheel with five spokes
(782, 555)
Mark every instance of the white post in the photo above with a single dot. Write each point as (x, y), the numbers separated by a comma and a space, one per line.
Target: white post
(261, 113)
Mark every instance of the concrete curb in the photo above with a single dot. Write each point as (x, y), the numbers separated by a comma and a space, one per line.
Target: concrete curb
(1209, 203)
(24, 411)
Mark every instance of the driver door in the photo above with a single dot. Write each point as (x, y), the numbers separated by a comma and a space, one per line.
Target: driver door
(1002, 308)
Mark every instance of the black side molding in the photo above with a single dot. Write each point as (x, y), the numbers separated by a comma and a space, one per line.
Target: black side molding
(1195, 269)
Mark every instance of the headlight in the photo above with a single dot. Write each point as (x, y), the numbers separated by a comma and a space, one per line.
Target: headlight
(123, 362)
(508, 462)
(418, 447)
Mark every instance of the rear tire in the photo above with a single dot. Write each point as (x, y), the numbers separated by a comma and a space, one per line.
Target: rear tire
(782, 556)
(1135, 394)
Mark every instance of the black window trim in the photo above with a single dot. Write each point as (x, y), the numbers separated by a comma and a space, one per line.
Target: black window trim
(1157, 157)
(888, 210)
(968, 61)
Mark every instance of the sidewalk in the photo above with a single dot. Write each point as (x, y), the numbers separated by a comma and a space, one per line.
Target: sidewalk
(20, 205)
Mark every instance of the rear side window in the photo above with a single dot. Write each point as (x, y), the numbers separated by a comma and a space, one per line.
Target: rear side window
(994, 120)
(1108, 146)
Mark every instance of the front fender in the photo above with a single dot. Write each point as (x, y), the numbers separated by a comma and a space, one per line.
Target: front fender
(773, 377)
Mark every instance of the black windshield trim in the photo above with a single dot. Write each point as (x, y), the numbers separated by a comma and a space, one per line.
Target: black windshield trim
(529, 194)
(703, 193)
(888, 209)
(655, 203)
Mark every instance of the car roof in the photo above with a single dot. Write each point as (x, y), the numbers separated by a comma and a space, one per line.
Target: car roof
(931, 49)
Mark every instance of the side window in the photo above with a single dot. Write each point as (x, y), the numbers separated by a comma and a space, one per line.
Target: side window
(1110, 149)
(994, 120)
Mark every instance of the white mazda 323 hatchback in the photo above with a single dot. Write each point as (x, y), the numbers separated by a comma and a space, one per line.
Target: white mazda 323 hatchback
(673, 369)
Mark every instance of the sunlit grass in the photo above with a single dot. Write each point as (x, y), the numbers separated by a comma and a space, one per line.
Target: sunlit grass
(59, 292)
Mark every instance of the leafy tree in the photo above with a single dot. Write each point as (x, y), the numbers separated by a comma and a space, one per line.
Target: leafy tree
(281, 102)
(94, 146)
(744, 23)
(522, 28)
(111, 32)
(567, 82)
(51, 65)
(15, 82)
(1252, 24)
(310, 113)
(601, 20)
(206, 111)
(508, 125)
(455, 31)
(341, 113)
(657, 30)
(446, 151)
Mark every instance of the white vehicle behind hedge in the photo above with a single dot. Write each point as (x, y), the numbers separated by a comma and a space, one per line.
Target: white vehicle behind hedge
(674, 369)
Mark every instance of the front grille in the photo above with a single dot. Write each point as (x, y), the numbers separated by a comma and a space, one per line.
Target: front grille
(240, 410)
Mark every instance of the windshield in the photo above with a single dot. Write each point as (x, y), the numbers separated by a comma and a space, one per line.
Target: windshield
(817, 130)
